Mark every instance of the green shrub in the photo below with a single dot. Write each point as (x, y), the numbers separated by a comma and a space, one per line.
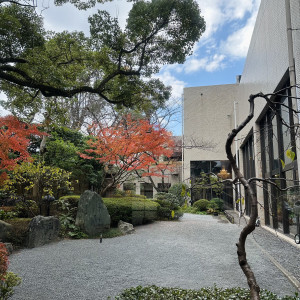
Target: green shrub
(19, 231)
(72, 200)
(216, 203)
(180, 191)
(133, 210)
(7, 285)
(154, 292)
(5, 215)
(167, 200)
(169, 206)
(201, 205)
(27, 209)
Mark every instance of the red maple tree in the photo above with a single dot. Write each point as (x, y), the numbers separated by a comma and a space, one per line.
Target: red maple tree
(129, 146)
(14, 142)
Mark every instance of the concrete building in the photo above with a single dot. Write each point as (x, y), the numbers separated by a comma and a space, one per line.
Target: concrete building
(210, 112)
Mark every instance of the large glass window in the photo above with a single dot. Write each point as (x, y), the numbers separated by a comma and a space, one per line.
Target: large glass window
(203, 175)
(249, 168)
(277, 137)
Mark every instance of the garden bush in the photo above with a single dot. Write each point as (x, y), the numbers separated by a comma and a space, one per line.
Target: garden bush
(216, 203)
(133, 210)
(201, 205)
(19, 231)
(179, 190)
(8, 280)
(27, 209)
(72, 200)
(210, 293)
(7, 212)
(169, 206)
(167, 199)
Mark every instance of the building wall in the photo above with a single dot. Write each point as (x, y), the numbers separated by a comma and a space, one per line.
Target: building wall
(266, 69)
(208, 118)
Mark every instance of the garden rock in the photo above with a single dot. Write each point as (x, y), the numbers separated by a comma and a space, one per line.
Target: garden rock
(5, 228)
(126, 228)
(92, 215)
(9, 248)
(42, 230)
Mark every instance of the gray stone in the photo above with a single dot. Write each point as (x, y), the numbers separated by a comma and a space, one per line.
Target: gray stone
(126, 228)
(5, 228)
(9, 248)
(42, 230)
(92, 215)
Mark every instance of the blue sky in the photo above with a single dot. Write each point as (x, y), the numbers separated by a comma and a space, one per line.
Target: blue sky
(218, 56)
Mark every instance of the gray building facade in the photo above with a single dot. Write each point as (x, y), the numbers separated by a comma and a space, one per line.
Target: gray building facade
(210, 112)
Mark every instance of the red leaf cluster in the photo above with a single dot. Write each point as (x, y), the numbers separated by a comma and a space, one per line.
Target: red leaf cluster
(132, 144)
(3, 261)
(14, 142)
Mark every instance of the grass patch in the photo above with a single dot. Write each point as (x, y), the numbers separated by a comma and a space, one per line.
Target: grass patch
(193, 210)
(111, 233)
(211, 293)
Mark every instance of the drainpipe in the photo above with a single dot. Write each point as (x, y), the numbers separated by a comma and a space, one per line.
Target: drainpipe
(292, 71)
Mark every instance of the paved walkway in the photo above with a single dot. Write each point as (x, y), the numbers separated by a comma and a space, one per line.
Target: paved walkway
(195, 252)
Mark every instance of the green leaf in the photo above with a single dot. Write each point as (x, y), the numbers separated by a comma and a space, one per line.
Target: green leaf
(290, 154)
(283, 164)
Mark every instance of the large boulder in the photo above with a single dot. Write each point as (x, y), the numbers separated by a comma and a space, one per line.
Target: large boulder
(126, 228)
(92, 215)
(5, 228)
(42, 230)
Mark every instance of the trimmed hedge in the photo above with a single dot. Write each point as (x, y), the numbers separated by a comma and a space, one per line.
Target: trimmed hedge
(201, 204)
(18, 234)
(131, 209)
(153, 292)
(72, 200)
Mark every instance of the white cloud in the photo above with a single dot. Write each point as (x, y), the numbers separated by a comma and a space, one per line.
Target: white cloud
(68, 17)
(218, 12)
(208, 63)
(168, 79)
(236, 45)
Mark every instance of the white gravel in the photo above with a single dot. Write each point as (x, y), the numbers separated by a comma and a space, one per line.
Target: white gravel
(195, 252)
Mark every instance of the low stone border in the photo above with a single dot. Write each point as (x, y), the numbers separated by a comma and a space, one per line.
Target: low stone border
(229, 217)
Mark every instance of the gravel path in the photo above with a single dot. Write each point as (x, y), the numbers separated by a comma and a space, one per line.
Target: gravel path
(195, 252)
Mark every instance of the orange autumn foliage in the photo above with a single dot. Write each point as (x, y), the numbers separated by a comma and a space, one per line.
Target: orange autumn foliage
(14, 142)
(131, 145)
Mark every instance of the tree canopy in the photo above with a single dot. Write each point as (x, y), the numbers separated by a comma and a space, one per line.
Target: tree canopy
(112, 63)
(129, 146)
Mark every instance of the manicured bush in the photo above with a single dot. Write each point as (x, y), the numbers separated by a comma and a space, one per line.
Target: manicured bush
(180, 191)
(154, 292)
(201, 205)
(18, 234)
(72, 200)
(216, 203)
(27, 209)
(167, 199)
(169, 206)
(133, 210)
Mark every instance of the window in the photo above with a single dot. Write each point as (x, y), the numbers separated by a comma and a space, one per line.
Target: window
(200, 181)
(249, 168)
(147, 190)
(129, 186)
(276, 138)
(163, 187)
